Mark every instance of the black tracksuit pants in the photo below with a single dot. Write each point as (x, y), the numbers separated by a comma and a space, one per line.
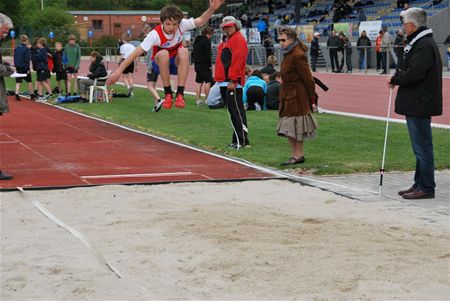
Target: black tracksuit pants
(235, 106)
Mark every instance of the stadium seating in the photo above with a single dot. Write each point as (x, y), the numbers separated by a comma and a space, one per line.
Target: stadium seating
(384, 10)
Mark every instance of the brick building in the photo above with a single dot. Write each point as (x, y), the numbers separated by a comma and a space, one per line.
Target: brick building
(113, 23)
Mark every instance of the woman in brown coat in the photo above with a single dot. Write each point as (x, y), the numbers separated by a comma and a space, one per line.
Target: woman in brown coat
(297, 95)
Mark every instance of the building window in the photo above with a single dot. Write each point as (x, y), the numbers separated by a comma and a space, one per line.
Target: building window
(97, 24)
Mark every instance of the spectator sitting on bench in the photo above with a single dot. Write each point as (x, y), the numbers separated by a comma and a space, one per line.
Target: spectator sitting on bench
(96, 70)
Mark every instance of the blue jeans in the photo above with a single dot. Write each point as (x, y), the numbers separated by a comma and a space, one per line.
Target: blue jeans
(419, 129)
(384, 61)
(362, 58)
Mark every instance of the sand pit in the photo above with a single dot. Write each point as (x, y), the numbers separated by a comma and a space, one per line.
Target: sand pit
(230, 241)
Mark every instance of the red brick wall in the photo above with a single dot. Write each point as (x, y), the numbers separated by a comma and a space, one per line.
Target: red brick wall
(115, 25)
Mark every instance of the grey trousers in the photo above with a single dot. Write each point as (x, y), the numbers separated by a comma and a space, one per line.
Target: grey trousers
(85, 83)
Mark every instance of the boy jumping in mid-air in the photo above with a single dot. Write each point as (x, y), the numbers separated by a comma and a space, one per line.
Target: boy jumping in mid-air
(169, 56)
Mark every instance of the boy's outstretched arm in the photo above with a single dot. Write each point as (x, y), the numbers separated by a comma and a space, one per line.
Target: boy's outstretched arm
(204, 18)
(114, 77)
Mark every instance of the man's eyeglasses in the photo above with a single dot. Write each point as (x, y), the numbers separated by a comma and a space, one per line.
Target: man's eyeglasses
(282, 40)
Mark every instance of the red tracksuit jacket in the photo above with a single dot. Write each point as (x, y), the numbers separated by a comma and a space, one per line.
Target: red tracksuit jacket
(239, 52)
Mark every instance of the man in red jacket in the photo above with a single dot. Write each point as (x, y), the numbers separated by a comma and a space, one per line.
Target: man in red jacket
(230, 74)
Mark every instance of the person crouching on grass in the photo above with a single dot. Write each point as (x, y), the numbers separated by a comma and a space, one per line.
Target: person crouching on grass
(297, 96)
(169, 56)
(96, 70)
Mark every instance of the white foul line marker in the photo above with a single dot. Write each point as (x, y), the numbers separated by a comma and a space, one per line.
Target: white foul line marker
(139, 175)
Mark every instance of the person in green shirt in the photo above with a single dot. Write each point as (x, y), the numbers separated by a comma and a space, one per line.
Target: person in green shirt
(73, 53)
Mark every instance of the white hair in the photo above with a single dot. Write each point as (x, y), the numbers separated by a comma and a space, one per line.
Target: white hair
(6, 21)
(317, 34)
(415, 15)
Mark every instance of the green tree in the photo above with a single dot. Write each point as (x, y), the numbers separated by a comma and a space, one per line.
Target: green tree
(56, 3)
(51, 18)
(12, 9)
(193, 7)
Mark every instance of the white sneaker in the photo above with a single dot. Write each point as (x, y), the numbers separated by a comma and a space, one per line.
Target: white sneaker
(158, 105)
(257, 107)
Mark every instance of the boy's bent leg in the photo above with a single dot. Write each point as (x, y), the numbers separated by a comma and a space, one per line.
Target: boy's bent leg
(182, 63)
(162, 60)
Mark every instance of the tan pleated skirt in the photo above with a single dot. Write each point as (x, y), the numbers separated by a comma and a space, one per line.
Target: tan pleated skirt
(298, 127)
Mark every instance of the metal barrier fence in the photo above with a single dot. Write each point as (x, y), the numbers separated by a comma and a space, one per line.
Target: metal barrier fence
(364, 57)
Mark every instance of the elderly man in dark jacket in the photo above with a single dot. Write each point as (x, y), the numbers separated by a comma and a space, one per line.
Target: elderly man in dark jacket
(5, 70)
(419, 97)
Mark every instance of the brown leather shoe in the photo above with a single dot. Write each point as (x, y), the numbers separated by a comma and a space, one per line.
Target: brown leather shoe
(402, 192)
(416, 195)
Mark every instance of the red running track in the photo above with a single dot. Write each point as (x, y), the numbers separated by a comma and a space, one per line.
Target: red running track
(46, 147)
(355, 93)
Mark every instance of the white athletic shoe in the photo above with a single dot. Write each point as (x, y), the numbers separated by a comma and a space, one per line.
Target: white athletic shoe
(158, 106)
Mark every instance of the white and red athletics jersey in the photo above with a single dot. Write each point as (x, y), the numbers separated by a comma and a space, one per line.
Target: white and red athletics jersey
(158, 39)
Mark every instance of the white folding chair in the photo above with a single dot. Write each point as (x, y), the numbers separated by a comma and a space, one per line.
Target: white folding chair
(103, 88)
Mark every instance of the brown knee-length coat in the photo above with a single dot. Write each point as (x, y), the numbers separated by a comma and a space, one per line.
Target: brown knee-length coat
(297, 88)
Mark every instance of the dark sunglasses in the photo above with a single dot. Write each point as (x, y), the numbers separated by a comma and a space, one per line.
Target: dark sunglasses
(282, 40)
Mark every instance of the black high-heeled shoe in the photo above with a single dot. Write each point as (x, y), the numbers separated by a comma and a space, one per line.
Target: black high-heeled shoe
(293, 161)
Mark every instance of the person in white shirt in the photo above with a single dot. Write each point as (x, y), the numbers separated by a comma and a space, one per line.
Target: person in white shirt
(169, 56)
(126, 49)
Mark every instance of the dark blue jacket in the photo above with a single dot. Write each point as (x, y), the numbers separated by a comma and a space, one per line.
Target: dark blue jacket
(41, 59)
(314, 51)
(420, 79)
(59, 61)
(22, 57)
